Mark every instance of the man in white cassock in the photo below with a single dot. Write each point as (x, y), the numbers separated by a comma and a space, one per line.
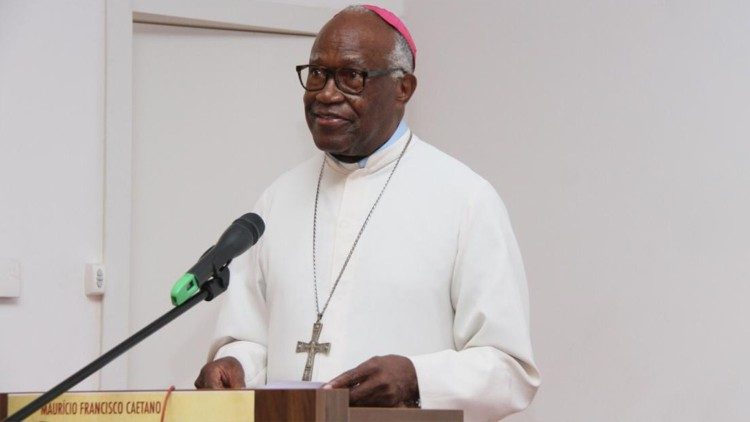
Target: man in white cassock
(387, 267)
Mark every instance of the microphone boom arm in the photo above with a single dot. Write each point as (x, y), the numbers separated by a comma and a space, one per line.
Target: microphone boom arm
(210, 289)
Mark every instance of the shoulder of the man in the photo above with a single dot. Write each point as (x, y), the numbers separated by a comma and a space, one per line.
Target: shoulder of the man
(474, 195)
(447, 170)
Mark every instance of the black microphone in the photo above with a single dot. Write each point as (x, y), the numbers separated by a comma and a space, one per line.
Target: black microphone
(243, 233)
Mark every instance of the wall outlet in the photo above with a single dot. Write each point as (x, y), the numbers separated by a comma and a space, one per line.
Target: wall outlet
(95, 279)
(10, 278)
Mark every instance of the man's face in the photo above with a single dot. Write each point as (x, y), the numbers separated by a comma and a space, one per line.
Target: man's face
(353, 125)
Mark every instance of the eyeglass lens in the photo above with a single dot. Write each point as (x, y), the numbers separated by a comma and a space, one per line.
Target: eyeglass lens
(347, 80)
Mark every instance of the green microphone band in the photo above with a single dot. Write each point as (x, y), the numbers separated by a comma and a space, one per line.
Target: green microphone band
(184, 288)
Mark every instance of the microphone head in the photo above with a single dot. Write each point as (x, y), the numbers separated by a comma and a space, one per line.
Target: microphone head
(243, 233)
(254, 224)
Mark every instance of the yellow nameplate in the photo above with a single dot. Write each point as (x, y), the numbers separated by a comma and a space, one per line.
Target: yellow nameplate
(105, 406)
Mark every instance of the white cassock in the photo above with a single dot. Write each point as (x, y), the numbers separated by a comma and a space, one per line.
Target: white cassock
(437, 277)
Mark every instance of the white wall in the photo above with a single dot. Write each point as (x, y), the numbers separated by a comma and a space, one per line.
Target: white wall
(617, 133)
(51, 128)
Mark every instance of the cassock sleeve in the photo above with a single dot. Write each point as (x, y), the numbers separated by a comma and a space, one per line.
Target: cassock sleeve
(241, 329)
(491, 374)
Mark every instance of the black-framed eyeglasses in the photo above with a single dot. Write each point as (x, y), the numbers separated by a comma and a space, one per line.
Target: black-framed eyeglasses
(349, 81)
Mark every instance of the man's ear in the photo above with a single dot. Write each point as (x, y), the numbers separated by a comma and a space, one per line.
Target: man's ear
(406, 87)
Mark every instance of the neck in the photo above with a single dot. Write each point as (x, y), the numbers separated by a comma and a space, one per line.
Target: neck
(355, 158)
(358, 158)
(349, 158)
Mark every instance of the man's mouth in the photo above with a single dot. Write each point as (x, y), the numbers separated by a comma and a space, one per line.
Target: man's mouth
(329, 119)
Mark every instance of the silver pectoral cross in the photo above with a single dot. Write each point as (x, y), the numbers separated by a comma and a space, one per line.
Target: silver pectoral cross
(312, 348)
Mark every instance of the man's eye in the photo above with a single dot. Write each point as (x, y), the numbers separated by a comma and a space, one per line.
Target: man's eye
(317, 72)
(351, 75)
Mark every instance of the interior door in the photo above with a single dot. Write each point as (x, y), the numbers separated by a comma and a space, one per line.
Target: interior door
(217, 116)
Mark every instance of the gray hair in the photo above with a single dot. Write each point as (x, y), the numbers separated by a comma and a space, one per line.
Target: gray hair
(401, 56)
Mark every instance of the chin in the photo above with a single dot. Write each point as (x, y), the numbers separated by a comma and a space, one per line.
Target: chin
(332, 144)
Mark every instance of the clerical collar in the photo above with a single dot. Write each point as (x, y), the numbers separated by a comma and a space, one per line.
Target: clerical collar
(400, 131)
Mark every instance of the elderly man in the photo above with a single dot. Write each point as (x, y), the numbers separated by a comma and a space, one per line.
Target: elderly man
(399, 259)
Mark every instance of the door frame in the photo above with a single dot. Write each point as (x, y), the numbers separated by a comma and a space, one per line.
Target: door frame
(120, 15)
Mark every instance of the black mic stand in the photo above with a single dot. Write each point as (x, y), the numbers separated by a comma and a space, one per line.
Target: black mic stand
(209, 290)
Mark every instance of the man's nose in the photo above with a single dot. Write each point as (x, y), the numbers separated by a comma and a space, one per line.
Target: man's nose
(330, 93)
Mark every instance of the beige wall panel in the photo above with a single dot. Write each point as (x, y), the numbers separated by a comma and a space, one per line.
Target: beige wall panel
(617, 133)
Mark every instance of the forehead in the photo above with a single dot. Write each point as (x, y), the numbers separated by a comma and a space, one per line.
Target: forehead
(353, 40)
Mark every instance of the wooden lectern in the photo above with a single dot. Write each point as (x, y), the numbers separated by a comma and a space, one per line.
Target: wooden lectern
(215, 405)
